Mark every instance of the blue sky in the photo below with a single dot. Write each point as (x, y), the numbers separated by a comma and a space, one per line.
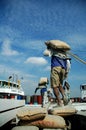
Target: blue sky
(24, 27)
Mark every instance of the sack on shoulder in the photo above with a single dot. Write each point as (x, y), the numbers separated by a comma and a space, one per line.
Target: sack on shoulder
(57, 44)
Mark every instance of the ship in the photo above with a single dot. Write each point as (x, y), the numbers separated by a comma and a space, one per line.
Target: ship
(11, 99)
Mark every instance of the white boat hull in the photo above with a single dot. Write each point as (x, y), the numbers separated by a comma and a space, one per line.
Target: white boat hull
(79, 106)
(8, 109)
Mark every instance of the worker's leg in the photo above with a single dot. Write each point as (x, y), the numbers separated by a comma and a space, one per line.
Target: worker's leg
(65, 99)
(62, 77)
(57, 95)
(55, 82)
(61, 90)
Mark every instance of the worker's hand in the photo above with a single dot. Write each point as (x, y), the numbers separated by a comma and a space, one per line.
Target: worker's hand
(46, 52)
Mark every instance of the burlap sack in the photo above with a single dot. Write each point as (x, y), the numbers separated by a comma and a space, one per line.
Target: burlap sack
(50, 121)
(31, 114)
(25, 128)
(43, 80)
(63, 111)
(57, 44)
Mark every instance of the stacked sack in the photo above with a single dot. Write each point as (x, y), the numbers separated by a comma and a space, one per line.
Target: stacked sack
(39, 117)
(63, 111)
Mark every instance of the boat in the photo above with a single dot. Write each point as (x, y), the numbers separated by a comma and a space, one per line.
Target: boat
(80, 102)
(11, 99)
(83, 92)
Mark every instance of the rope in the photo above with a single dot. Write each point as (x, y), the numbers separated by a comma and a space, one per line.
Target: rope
(76, 57)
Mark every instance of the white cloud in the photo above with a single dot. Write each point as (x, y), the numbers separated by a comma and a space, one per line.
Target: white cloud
(36, 60)
(6, 48)
(34, 44)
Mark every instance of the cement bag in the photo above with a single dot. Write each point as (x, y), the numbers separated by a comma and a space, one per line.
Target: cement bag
(31, 114)
(63, 111)
(25, 128)
(43, 80)
(57, 44)
(50, 121)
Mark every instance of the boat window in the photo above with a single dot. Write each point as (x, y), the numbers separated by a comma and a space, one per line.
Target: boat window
(17, 86)
(0, 84)
(6, 84)
(14, 85)
(10, 84)
(3, 84)
(83, 87)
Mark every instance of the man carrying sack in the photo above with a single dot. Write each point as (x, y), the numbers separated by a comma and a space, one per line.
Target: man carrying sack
(58, 52)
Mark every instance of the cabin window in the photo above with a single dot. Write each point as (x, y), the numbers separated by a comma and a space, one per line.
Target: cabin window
(0, 83)
(3, 84)
(14, 85)
(83, 87)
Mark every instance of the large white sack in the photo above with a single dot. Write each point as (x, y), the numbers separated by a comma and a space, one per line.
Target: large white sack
(25, 128)
(31, 114)
(57, 44)
(63, 111)
(43, 80)
(50, 121)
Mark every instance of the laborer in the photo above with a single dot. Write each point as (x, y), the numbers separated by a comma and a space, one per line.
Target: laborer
(58, 73)
(42, 85)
